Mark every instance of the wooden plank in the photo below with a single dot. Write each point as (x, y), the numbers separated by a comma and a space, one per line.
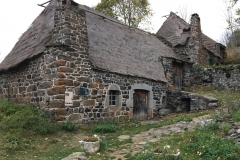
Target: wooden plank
(140, 99)
(177, 75)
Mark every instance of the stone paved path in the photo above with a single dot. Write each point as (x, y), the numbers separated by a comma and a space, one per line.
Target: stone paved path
(154, 135)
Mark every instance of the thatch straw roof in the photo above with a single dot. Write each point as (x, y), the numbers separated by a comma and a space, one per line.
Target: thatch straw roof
(113, 46)
(117, 48)
(177, 31)
(34, 40)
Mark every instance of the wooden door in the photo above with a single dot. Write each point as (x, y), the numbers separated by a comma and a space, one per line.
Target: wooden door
(177, 75)
(140, 104)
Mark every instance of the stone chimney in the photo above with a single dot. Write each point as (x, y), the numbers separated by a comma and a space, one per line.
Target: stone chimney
(197, 54)
(196, 27)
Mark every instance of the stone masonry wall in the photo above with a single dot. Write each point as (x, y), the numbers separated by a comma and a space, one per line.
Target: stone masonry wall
(180, 101)
(186, 73)
(27, 83)
(225, 78)
(91, 107)
(65, 66)
(194, 45)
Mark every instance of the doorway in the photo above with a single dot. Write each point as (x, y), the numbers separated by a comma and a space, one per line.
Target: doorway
(140, 104)
(177, 75)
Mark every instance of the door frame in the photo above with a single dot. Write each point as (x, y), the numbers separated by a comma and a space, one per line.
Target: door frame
(151, 103)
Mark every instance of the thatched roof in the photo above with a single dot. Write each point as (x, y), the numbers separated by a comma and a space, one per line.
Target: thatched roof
(177, 31)
(117, 48)
(34, 40)
(113, 46)
(173, 30)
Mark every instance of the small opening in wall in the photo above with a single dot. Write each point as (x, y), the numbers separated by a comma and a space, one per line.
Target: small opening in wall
(64, 2)
(186, 104)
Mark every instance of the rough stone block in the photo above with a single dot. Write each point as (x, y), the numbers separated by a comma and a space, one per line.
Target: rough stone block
(76, 103)
(65, 82)
(45, 85)
(56, 90)
(56, 104)
(61, 111)
(31, 88)
(64, 69)
(121, 119)
(101, 86)
(112, 108)
(60, 96)
(83, 79)
(76, 83)
(100, 92)
(60, 63)
(61, 75)
(74, 117)
(93, 85)
(89, 102)
(111, 114)
(94, 92)
(15, 90)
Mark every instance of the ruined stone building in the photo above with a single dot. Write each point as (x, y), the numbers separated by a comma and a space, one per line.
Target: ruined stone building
(82, 65)
(189, 41)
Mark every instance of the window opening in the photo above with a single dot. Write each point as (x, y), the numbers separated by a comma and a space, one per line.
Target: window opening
(112, 98)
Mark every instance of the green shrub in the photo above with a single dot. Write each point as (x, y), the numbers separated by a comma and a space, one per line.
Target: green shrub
(231, 60)
(19, 123)
(225, 127)
(236, 116)
(208, 146)
(69, 126)
(104, 127)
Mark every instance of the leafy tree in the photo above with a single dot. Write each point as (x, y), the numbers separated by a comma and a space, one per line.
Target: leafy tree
(231, 35)
(134, 13)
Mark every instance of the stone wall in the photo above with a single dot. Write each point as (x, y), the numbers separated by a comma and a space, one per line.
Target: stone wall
(186, 73)
(225, 78)
(27, 83)
(180, 101)
(65, 66)
(195, 47)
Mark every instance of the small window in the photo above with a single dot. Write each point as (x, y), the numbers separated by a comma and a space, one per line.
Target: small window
(112, 98)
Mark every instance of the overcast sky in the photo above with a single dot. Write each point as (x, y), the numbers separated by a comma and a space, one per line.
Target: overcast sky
(17, 16)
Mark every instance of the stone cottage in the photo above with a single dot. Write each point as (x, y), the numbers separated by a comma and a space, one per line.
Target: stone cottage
(189, 41)
(82, 65)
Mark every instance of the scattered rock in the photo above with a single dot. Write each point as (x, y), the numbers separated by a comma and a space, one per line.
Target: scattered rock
(142, 143)
(123, 137)
(76, 156)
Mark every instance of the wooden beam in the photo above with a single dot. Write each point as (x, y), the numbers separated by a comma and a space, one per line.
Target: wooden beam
(42, 5)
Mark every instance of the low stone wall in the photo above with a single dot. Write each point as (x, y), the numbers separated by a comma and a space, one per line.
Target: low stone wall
(225, 78)
(180, 101)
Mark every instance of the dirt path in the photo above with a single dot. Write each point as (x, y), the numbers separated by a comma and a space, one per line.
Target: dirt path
(154, 135)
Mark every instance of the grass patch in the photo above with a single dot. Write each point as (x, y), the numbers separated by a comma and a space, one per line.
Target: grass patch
(236, 116)
(69, 126)
(104, 127)
(201, 143)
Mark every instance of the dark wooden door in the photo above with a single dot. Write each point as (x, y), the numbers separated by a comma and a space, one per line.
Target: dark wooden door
(140, 101)
(177, 75)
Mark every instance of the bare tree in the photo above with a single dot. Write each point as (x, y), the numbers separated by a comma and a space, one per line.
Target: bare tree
(224, 39)
(232, 27)
(183, 13)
